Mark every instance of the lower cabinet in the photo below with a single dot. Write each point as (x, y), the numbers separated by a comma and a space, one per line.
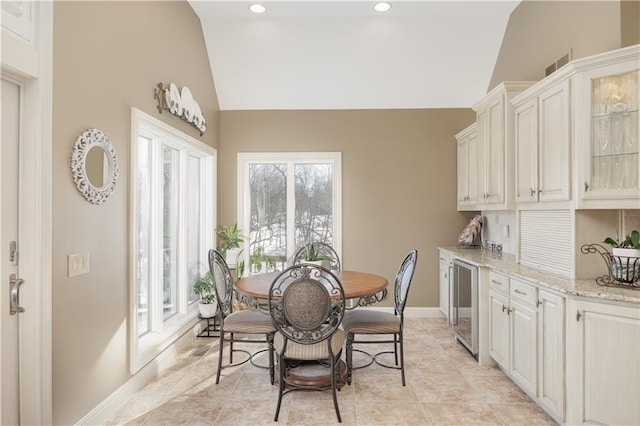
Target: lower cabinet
(526, 338)
(551, 353)
(603, 366)
(446, 271)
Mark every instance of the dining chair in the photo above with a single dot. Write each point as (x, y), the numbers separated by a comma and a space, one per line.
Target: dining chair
(322, 249)
(240, 322)
(307, 305)
(367, 322)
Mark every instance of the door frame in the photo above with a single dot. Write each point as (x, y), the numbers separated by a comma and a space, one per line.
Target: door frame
(31, 63)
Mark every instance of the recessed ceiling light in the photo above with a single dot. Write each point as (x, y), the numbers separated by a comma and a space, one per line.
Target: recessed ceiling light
(382, 6)
(257, 8)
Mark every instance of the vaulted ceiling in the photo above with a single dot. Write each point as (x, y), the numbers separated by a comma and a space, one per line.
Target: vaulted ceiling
(344, 55)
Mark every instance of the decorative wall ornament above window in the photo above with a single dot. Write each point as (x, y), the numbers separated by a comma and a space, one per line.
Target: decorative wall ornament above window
(94, 166)
(180, 104)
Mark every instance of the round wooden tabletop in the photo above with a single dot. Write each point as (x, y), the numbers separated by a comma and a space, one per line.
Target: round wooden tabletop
(355, 284)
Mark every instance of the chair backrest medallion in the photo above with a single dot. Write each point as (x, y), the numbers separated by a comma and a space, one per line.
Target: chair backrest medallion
(306, 303)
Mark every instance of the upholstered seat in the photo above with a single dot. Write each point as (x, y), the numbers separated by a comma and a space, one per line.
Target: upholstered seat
(361, 321)
(310, 352)
(249, 322)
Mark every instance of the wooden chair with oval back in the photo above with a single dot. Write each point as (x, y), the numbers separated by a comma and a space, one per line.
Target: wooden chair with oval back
(367, 322)
(241, 322)
(307, 304)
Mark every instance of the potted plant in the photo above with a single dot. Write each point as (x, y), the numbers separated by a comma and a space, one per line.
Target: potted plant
(625, 259)
(203, 287)
(629, 247)
(229, 240)
(310, 254)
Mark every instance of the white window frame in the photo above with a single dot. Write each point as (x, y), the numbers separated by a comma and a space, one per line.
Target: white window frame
(163, 333)
(290, 158)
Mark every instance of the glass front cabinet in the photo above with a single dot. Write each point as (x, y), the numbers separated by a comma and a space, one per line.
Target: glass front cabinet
(607, 128)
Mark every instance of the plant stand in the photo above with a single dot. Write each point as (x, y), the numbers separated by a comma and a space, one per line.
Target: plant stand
(212, 328)
(623, 271)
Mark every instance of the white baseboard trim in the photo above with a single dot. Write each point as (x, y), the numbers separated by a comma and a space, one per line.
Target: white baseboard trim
(117, 399)
(410, 312)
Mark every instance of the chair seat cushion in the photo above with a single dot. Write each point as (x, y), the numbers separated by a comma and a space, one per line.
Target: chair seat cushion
(249, 321)
(365, 321)
(313, 351)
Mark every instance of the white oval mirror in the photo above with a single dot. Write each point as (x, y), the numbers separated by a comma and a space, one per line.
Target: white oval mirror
(94, 166)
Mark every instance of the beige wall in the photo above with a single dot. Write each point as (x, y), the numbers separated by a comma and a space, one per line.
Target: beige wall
(541, 32)
(108, 56)
(399, 179)
(630, 22)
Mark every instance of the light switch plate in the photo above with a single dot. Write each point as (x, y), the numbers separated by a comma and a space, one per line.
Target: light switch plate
(78, 264)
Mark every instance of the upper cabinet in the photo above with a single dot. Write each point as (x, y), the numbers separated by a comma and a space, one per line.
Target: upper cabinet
(606, 102)
(495, 136)
(467, 169)
(543, 143)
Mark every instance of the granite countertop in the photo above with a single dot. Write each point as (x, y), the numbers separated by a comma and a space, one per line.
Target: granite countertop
(506, 263)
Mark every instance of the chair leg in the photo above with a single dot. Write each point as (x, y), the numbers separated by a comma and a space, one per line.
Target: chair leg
(281, 363)
(231, 349)
(395, 347)
(220, 355)
(333, 388)
(271, 363)
(349, 357)
(402, 358)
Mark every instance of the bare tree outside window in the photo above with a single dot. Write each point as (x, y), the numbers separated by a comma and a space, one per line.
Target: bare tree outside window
(310, 204)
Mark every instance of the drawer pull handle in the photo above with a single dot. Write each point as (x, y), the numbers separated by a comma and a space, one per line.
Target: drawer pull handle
(520, 292)
(496, 282)
(538, 302)
(578, 315)
(504, 308)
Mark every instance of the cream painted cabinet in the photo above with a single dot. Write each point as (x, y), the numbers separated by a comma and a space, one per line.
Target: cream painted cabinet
(607, 128)
(551, 344)
(446, 269)
(603, 369)
(499, 326)
(513, 325)
(495, 134)
(543, 142)
(467, 168)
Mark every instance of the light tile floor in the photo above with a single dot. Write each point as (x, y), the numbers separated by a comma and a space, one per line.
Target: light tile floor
(445, 386)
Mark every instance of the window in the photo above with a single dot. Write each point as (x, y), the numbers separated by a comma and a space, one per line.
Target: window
(173, 217)
(286, 200)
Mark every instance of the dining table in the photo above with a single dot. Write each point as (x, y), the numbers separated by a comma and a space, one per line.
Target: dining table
(360, 289)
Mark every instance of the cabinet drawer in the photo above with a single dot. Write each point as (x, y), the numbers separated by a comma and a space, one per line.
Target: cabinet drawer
(523, 292)
(499, 282)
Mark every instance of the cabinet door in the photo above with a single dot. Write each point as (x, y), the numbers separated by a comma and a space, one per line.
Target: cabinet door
(551, 352)
(472, 173)
(604, 367)
(523, 348)
(608, 128)
(499, 328)
(494, 147)
(554, 143)
(445, 273)
(526, 123)
(463, 173)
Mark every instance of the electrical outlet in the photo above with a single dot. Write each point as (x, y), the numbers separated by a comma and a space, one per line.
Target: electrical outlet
(78, 264)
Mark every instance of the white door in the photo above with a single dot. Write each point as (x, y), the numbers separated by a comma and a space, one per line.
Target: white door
(9, 270)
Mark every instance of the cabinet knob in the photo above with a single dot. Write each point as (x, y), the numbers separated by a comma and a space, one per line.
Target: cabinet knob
(578, 315)
(538, 303)
(586, 186)
(533, 191)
